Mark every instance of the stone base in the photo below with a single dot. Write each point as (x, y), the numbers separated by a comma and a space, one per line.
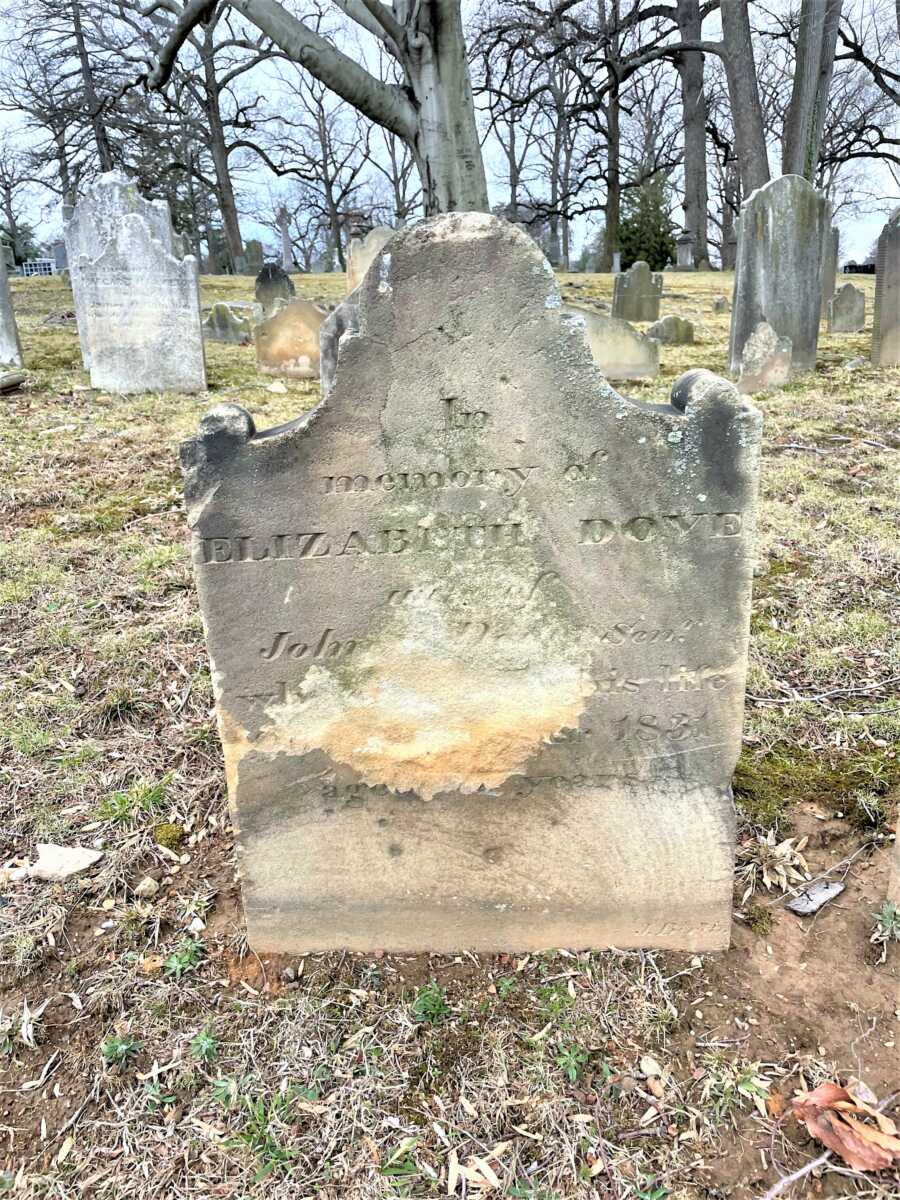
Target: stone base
(365, 869)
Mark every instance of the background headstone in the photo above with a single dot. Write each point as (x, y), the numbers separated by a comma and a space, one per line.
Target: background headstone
(363, 251)
(287, 343)
(886, 329)
(847, 310)
(232, 323)
(10, 346)
(779, 268)
(672, 331)
(89, 226)
(253, 256)
(684, 252)
(636, 293)
(141, 305)
(478, 626)
(617, 261)
(273, 283)
(619, 350)
(830, 254)
(720, 305)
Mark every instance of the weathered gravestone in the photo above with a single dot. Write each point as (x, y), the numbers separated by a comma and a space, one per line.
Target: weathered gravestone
(684, 250)
(636, 293)
(478, 626)
(93, 222)
(362, 253)
(766, 361)
(673, 331)
(287, 343)
(778, 277)
(830, 253)
(231, 322)
(619, 350)
(141, 305)
(847, 310)
(10, 347)
(886, 329)
(273, 283)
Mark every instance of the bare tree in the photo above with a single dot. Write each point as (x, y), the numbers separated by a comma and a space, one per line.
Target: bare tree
(819, 23)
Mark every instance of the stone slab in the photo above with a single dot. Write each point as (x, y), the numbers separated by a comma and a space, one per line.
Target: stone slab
(886, 328)
(847, 310)
(830, 254)
(478, 626)
(673, 331)
(10, 346)
(288, 343)
(619, 350)
(778, 276)
(637, 293)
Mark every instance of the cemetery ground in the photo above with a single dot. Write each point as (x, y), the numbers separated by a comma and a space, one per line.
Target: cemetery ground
(146, 1051)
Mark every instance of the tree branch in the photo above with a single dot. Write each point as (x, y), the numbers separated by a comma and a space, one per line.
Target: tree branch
(197, 12)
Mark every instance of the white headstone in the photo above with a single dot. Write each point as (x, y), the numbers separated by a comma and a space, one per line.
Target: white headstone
(10, 347)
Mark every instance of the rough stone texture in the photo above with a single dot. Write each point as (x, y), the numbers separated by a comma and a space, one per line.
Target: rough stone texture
(778, 278)
(673, 331)
(141, 308)
(10, 380)
(341, 320)
(830, 252)
(232, 323)
(847, 310)
(273, 283)
(886, 330)
(619, 350)
(766, 362)
(61, 862)
(636, 293)
(288, 342)
(10, 346)
(478, 626)
(363, 252)
(94, 220)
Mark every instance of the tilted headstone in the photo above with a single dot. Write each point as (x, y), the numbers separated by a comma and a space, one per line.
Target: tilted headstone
(273, 283)
(10, 346)
(636, 293)
(766, 361)
(672, 331)
(478, 626)
(830, 253)
(89, 226)
(619, 350)
(287, 343)
(886, 329)
(141, 305)
(232, 323)
(778, 277)
(363, 251)
(847, 310)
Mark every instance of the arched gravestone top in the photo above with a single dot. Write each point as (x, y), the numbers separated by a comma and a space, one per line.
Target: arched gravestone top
(478, 625)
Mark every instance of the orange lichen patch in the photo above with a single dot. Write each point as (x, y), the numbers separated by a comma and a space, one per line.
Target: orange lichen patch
(423, 724)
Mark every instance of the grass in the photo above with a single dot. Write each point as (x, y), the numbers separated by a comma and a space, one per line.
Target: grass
(367, 1076)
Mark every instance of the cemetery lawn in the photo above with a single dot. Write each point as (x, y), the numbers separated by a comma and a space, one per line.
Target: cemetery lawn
(145, 1051)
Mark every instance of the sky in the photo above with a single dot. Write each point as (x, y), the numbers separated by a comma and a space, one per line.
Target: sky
(859, 228)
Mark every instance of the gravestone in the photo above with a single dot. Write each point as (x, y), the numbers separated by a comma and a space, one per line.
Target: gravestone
(92, 224)
(778, 278)
(273, 283)
(619, 350)
(231, 323)
(283, 221)
(10, 346)
(617, 262)
(363, 251)
(142, 309)
(830, 252)
(847, 310)
(684, 252)
(720, 305)
(478, 626)
(766, 361)
(673, 331)
(886, 329)
(287, 343)
(636, 293)
(253, 255)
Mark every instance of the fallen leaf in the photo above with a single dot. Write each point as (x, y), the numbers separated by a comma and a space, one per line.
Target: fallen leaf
(827, 1110)
(774, 1105)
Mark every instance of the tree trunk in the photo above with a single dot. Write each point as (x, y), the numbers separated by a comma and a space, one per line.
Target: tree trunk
(219, 153)
(613, 202)
(819, 22)
(284, 230)
(91, 101)
(66, 186)
(446, 145)
(693, 101)
(731, 204)
(743, 92)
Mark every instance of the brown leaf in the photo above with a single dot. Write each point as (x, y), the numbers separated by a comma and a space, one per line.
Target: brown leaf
(826, 1113)
(775, 1105)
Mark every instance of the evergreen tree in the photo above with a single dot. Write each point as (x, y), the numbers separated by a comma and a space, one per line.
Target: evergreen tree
(646, 230)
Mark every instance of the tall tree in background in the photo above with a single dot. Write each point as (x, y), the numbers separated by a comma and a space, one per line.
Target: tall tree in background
(819, 24)
(693, 104)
